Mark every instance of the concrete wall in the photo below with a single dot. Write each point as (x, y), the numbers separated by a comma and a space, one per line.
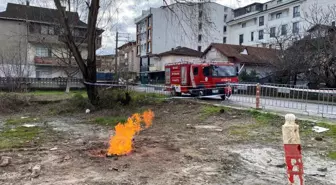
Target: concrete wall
(214, 55)
(13, 49)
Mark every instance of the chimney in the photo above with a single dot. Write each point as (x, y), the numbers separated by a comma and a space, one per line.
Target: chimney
(27, 3)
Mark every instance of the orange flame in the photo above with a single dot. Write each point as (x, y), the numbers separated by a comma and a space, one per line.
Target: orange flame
(121, 142)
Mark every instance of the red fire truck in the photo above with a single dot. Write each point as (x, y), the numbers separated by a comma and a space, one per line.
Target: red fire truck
(201, 79)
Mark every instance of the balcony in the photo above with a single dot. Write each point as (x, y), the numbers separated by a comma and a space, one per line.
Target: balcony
(40, 38)
(82, 40)
(53, 61)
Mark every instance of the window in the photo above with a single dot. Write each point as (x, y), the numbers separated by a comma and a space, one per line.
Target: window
(149, 21)
(284, 29)
(241, 39)
(167, 75)
(200, 26)
(333, 24)
(206, 71)
(252, 36)
(296, 27)
(225, 17)
(265, 7)
(149, 47)
(199, 48)
(42, 52)
(278, 15)
(244, 25)
(184, 75)
(44, 30)
(199, 38)
(296, 11)
(200, 13)
(279, 1)
(224, 40)
(195, 71)
(149, 35)
(224, 29)
(225, 9)
(51, 30)
(261, 21)
(272, 32)
(138, 50)
(261, 34)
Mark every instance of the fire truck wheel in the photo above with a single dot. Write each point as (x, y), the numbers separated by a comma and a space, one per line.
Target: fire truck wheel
(223, 97)
(176, 93)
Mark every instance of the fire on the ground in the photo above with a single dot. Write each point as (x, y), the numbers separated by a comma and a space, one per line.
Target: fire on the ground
(122, 141)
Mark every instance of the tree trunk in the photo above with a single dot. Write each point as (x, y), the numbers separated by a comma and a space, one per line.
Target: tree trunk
(295, 79)
(91, 78)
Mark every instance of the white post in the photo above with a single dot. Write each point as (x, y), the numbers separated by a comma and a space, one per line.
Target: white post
(292, 147)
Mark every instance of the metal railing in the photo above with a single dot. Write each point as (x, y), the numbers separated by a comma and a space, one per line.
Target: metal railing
(285, 98)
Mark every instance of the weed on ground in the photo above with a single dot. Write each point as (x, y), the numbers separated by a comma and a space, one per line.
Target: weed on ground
(109, 121)
(22, 120)
(18, 137)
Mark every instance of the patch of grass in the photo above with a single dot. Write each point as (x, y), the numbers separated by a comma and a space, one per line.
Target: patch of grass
(242, 131)
(82, 92)
(109, 121)
(266, 118)
(19, 121)
(332, 129)
(332, 155)
(20, 136)
(208, 111)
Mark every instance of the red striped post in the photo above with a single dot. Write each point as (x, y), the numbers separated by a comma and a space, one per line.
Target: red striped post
(292, 147)
(258, 96)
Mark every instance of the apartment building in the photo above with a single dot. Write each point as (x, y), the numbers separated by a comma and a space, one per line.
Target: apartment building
(33, 42)
(128, 60)
(194, 25)
(275, 22)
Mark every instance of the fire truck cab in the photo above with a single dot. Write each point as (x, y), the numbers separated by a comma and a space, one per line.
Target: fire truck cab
(201, 79)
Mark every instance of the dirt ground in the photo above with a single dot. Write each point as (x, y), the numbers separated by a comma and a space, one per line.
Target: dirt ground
(188, 144)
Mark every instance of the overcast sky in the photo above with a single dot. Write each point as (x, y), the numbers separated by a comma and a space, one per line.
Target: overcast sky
(121, 15)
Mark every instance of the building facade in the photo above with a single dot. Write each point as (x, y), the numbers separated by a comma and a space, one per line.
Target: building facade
(128, 61)
(275, 22)
(192, 25)
(33, 42)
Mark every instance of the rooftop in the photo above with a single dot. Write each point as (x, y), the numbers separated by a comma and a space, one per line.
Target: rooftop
(38, 14)
(254, 55)
(182, 51)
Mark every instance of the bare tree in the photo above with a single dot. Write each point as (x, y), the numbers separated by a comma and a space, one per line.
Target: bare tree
(14, 66)
(88, 66)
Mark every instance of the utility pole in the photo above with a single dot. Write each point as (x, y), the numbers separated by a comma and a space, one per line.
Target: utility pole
(116, 58)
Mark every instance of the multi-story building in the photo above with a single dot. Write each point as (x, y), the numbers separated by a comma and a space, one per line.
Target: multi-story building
(127, 58)
(107, 63)
(32, 42)
(275, 22)
(194, 25)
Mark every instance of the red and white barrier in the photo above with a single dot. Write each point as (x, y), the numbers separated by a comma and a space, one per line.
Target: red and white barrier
(292, 147)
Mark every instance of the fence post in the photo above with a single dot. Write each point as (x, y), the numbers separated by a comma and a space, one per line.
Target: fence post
(258, 96)
(292, 147)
